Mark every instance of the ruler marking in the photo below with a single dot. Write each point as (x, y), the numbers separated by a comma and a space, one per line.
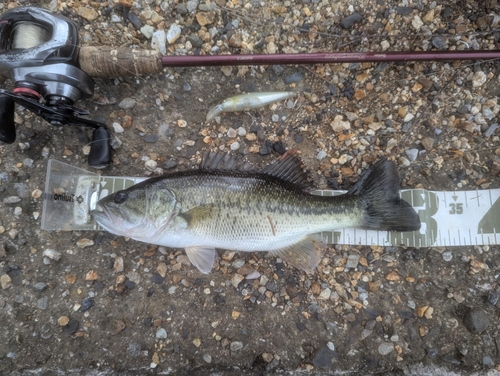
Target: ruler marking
(443, 240)
(470, 235)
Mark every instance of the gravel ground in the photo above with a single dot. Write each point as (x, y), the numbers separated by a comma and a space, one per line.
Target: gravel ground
(93, 303)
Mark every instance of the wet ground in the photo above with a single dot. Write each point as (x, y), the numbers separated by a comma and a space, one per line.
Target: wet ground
(93, 303)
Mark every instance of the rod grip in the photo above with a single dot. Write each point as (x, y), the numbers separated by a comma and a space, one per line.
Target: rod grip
(108, 62)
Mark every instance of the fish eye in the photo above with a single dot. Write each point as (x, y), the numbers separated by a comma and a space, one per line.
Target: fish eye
(120, 197)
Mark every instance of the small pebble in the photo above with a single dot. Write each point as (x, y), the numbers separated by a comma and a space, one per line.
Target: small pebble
(207, 358)
(235, 146)
(488, 362)
(417, 22)
(476, 320)
(321, 155)
(161, 333)
(12, 200)
(242, 132)
(42, 303)
(52, 254)
(296, 77)
(479, 79)
(412, 154)
(492, 128)
(127, 103)
(40, 286)
(173, 33)
(278, 69)
(118, 128)
(447, 256)
(87, 303)
(493, 297)
(438, 42)
(352, 261)
(134, 349)
(129, 284)
(151, 165)
(428, 143)
(63, 320)
(158, 41)
(236, 345)
(157, 278)
(147, 31)
(349, 21)
(5, 281)
(84, 242)
(71, 327)
(385, 348)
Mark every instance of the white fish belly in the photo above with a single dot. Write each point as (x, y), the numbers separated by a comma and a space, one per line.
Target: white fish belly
(249, 234)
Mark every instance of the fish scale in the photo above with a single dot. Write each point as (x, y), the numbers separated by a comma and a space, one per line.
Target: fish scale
(293, 213)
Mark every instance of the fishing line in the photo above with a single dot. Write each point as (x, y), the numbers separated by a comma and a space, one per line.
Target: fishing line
(28, 35)
(355, 38)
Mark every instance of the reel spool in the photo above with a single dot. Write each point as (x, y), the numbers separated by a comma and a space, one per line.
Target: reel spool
(27, 35)
(39, 52)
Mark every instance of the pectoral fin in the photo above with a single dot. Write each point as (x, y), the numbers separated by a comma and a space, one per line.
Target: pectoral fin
(202, 257)
(305, 254)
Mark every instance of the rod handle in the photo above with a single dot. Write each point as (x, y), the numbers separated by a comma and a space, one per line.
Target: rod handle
(109, 62)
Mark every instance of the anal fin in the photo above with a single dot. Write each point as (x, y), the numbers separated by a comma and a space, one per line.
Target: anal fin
(202, 257)
(304, 255)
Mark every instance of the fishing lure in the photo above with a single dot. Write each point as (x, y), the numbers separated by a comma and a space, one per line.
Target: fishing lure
(249, 101)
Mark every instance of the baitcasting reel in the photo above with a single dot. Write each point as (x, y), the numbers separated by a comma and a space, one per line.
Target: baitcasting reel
(39, 52)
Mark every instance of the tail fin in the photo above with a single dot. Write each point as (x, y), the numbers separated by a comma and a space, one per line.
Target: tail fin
(379, 193)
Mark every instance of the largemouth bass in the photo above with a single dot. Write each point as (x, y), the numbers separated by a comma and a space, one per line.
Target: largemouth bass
(201, 210)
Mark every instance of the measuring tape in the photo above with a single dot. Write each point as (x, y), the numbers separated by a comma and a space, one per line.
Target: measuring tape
(449, 218)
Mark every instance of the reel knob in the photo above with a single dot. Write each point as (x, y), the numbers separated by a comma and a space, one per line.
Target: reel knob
(100, 149)
(7, 126)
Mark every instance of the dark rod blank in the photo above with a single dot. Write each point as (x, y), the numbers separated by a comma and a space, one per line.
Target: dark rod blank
(326, 58)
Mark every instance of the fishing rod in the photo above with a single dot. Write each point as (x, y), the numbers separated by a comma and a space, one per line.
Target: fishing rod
(39, 51)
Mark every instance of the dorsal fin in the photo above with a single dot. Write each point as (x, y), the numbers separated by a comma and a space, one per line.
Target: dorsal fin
(288, 169)
(214, 161)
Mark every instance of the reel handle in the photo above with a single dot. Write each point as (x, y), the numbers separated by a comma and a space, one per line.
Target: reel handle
(7, 126)
(100, 149)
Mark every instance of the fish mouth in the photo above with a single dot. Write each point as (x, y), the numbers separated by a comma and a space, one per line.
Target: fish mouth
(100, 214)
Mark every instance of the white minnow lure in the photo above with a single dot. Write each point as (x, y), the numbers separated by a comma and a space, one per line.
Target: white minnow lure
(249, 101)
